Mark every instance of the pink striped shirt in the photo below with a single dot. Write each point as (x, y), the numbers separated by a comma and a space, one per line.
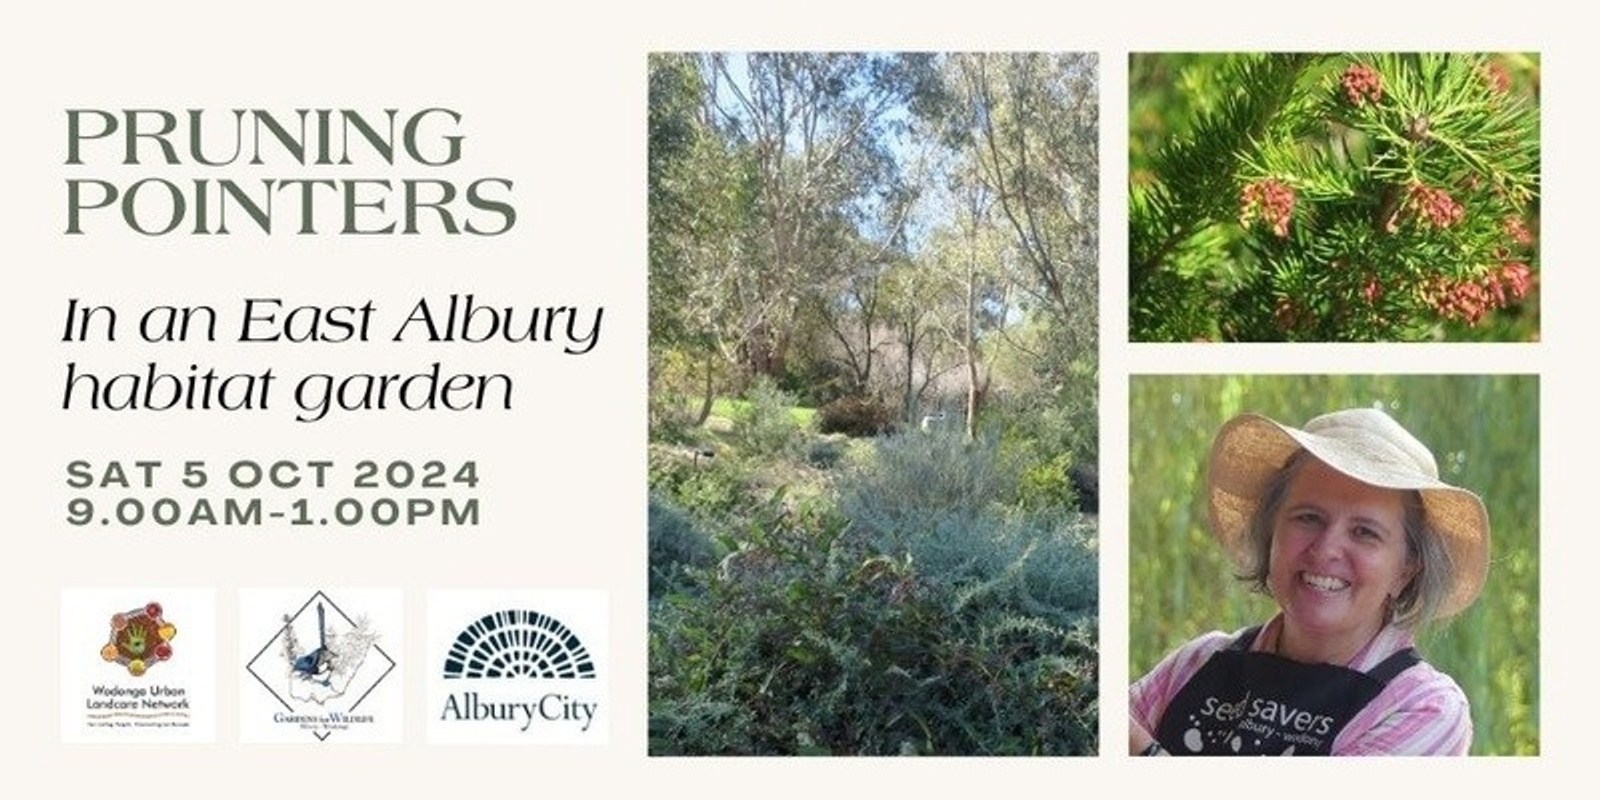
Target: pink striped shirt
(1422, 712)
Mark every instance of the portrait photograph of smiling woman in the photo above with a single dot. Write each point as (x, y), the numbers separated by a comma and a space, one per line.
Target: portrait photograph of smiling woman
(1333, 565)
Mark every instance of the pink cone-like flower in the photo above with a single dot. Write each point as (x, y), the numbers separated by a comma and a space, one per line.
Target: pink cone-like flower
(1271, 201)
(1434, 205)
(1516, 278)
(1372, 290)
(1518, 231)
(1470, 301)
(1361, 84)
(1463, 300)
(1498, 78)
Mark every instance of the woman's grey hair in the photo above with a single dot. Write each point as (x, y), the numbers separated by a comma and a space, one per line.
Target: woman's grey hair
(1416, 605)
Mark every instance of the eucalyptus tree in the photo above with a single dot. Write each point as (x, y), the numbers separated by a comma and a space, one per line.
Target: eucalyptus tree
(816, 129)
(698, 189)
(1029, 124)
(1019, 132)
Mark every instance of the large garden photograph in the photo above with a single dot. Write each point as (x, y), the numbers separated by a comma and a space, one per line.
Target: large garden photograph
(873, 422)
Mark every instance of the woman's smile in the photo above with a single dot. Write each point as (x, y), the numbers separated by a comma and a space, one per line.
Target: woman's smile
(1326, 583)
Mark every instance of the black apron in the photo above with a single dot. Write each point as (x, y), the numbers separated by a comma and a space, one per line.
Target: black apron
(1243, 703)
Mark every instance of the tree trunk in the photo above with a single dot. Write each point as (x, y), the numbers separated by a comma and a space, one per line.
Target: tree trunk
(710, 393)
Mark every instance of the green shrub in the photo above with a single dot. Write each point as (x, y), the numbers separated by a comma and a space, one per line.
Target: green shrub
(1053, 441)
(706, 488)
(678, 549)
(918, 477)
(807, 641)
(948, 504)
(918, 609)
(766, 425)
(1047, 485)
(1038, 566)
(826, 453)
(854, 415)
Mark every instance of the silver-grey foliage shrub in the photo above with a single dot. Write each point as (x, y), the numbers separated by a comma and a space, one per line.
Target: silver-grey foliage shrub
(945, 501)
(917, 479)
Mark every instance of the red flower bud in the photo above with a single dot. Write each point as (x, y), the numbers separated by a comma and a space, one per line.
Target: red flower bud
(1361, 84)
(1434, 205)
(1269, 200)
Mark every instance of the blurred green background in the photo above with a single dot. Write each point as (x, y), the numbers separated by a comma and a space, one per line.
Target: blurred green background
(1484, 433)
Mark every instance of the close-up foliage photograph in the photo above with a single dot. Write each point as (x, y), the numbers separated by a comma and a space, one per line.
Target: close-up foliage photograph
(1323, 197)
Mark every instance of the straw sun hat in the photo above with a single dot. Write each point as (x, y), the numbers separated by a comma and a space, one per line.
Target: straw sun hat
(1364, 444)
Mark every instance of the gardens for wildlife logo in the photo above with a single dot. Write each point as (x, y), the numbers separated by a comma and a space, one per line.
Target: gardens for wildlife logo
(322, 667)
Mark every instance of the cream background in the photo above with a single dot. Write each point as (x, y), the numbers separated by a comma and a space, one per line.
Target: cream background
(556, 101)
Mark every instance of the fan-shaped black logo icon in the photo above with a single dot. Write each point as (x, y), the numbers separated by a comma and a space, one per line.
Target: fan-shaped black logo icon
(518, 644)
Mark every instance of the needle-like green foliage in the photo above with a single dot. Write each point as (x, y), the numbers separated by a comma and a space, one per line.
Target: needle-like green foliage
(1320, 197)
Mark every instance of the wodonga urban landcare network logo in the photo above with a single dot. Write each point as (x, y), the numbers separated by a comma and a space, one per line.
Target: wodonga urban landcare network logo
(140, 639)
(321, 665)
(526, 672)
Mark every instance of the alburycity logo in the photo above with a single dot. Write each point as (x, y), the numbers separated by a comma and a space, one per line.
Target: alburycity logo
(507, 652)
(321, 665)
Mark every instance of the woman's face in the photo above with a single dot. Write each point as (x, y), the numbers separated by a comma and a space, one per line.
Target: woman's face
(1338, 550)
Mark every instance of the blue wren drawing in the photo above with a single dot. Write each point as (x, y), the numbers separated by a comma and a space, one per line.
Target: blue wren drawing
(324, 671)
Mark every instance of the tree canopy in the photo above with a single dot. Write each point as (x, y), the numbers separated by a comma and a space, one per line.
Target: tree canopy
(918, 230)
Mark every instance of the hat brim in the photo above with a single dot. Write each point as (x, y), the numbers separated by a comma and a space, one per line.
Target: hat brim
(1251, 449)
